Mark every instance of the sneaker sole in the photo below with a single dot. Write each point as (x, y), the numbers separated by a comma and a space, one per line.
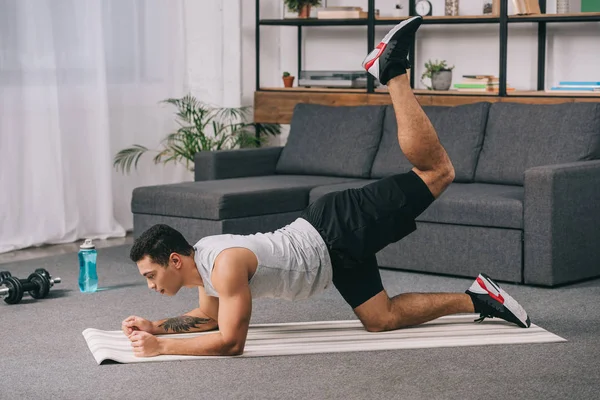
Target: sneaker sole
(484, 282)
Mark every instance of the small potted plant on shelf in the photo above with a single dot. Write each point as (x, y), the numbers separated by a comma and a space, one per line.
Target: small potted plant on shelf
(439, 73)
(288, 80)
(302, 7)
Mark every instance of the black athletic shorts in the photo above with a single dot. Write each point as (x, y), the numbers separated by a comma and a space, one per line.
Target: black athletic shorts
(357, 223)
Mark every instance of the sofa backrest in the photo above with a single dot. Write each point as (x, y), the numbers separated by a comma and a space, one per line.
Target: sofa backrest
(335, 141)
(460, 130)
(521, 136)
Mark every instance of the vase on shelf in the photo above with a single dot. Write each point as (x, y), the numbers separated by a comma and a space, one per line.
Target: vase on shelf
(288, 80)
(488, 7)
(452, 7)
(304, 11)
(441, 80)
(562, 6)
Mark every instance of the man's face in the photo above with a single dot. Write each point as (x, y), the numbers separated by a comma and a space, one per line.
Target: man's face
(165, 280)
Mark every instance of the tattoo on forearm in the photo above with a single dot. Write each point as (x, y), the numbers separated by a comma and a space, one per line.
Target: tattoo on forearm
(183, 323)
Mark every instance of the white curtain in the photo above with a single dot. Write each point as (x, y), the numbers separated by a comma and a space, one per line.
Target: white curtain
(80, 80)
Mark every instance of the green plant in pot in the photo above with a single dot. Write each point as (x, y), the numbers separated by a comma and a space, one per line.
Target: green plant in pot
(439, 73)
(302, 7)
(202, 127)
(288, 80)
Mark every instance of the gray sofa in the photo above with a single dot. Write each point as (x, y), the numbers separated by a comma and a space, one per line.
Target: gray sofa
(524, 206)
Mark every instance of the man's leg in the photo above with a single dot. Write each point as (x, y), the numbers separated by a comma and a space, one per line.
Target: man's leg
(380, 313)
(419, 142)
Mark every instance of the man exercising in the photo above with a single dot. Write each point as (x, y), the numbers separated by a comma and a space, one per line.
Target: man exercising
(334, 241)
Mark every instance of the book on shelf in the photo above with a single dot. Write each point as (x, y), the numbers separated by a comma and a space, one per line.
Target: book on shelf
(581, 92)
(575, 87)
(524, 7)
(479, 76)
(340, 8)
(471, 85)
(480, 83)
(341, 14)
(578, 83)
(590, 6)
(485, 90)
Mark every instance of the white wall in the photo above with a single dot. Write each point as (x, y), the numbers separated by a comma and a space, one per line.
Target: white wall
(213, 51)
(573, 49)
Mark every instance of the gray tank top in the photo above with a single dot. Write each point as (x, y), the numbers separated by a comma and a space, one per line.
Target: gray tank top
(293, 262)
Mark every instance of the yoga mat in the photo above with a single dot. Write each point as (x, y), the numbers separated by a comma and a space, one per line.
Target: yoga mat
(337, 336)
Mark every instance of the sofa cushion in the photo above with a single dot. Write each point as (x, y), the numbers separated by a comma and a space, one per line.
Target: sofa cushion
(459, 128)
(335, 141)
(521, 136)
(478, 204)
(229, 198)
(319, 191)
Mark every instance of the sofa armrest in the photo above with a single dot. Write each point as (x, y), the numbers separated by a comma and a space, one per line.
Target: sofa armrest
(224, 164)
(562, 223)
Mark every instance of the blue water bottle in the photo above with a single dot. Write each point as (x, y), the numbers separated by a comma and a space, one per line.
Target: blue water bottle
(88, 277)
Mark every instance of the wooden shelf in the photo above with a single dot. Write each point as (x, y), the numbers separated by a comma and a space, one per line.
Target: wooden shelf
(451, 93)
(572, 17)
(315, 89)
(314, 22)
(542, 93)
(436, 20)
(277, 105)
(443, 20)
(384, 90)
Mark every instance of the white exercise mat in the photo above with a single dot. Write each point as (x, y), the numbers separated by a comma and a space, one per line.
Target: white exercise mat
(338, 336)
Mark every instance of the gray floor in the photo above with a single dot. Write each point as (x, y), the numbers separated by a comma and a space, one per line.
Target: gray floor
(44, 355)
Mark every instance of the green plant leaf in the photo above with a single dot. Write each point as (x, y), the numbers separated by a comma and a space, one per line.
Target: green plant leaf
(126, 157)
(296, 5)
(268, 129)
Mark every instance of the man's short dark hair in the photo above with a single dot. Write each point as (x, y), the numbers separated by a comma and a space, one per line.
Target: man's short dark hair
(158, 243)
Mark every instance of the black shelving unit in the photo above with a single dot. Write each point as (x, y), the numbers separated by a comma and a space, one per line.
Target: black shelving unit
(371, 22)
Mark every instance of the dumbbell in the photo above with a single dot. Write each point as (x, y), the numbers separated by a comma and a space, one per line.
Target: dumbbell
(38, 285)
(4, 275)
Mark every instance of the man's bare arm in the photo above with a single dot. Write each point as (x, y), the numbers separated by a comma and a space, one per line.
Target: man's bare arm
(235, 306)
(193, 321)
(201, 319)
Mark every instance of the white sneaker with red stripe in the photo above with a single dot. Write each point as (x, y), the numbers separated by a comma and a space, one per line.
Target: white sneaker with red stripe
(390, 57)
(491, 301)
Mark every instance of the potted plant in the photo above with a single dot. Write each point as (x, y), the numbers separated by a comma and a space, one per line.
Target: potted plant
(288, 80)
(439, 73)
(201, 128)
(302, 7)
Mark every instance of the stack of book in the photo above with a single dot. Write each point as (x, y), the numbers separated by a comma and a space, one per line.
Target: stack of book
(527, 7)
(575, 87)
(480, 83)
(341, 13)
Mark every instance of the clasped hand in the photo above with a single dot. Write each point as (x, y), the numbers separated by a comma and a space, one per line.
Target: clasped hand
(144, 343)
